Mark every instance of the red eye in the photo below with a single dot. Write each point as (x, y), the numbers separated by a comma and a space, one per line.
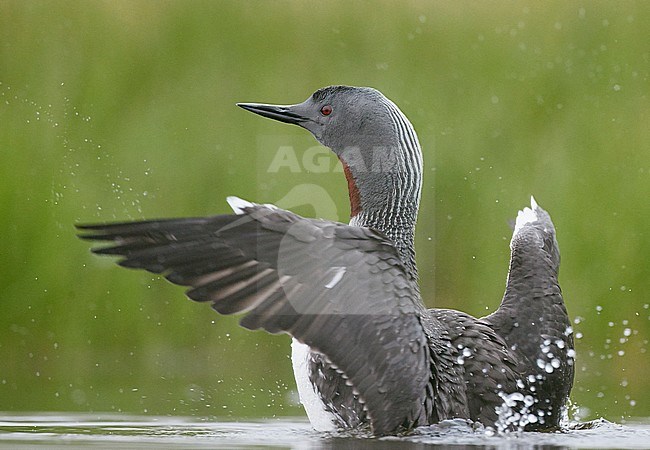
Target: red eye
(326, 110)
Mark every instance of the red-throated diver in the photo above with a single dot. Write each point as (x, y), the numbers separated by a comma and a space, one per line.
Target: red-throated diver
(365, 349)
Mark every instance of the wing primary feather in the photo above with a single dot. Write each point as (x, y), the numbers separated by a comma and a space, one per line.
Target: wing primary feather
(329, 285)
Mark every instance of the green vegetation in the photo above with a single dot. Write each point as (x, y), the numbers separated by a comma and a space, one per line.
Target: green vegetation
(116, 110)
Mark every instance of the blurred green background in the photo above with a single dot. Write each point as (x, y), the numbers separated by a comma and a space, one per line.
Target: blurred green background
(113, 110)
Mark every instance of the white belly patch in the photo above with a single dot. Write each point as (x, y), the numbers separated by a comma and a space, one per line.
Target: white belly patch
(320, 418)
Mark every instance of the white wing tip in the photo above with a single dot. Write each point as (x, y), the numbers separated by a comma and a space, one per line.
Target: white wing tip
(238, 205)
(527, 215)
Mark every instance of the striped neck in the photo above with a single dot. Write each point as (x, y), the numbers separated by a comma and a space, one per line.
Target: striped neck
(385, 181)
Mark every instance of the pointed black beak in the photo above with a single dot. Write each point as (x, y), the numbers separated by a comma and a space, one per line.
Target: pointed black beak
(283, 113)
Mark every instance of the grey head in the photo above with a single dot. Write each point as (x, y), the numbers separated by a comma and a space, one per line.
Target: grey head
(378, 148)
(337, 116)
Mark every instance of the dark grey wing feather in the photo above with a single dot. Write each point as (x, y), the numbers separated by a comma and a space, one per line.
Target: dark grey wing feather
(341, 290)
(532, 317)
(489, 368)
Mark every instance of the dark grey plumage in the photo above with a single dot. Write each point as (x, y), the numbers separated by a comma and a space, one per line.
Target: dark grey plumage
(376, 357)
(533, 320)
(268, 264)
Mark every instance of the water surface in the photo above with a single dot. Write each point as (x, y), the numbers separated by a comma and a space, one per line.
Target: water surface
(49, 430)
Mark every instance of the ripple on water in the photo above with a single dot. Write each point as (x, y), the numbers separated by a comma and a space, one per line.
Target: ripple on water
(124, 431)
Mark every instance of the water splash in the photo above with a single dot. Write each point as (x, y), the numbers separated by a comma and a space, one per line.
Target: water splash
(515, 412)
(68, 132)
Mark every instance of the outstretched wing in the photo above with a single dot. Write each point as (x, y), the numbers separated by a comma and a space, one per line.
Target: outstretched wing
(532, 317)
(342, 290)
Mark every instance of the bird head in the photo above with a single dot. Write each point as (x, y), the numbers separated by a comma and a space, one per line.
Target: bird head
(365, 129)
(375, 142)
